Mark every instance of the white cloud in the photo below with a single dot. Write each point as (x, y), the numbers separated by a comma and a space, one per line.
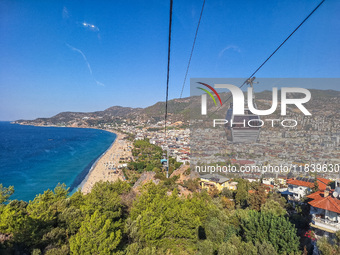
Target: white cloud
(87, 63)
(99, 83)
(229, 47)
(84, 57)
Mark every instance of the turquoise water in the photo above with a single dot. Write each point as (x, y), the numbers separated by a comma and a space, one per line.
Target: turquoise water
(34, 159)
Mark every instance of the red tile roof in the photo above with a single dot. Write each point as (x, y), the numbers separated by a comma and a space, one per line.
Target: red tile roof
(327, 203)
(326, 181)
(315, 195)
(322, 182)
(300, 183)
(268, 185)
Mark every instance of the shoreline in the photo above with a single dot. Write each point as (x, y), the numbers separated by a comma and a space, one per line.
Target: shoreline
(80, 186)
(106, 167)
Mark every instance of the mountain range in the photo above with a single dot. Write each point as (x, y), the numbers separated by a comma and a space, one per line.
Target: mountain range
(322, 102)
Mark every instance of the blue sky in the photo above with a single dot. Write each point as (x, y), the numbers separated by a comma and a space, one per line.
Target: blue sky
(89, 55)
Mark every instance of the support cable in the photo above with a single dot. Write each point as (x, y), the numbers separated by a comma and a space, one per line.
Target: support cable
(168, 70)
(192, 49)
(247, 81)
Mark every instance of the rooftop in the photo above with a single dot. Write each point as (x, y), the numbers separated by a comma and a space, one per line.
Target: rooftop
(329, 202)
(309, 182)
(215, 178)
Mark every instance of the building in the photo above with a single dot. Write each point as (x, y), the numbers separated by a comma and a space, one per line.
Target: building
(275, 180)
(267, 187)
(215, 180)
(232, 185)
(325, 210)
(299, 187)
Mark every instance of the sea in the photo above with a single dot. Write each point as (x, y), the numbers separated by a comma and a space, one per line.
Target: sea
(34, 159)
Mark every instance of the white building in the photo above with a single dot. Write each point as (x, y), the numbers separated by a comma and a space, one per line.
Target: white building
(300, 187)
(325, 210)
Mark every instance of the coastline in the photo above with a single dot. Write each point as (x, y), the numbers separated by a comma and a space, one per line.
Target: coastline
(92, 166)
(106, 167)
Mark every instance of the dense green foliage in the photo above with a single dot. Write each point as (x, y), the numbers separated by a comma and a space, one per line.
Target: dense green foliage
(5, 193)
(98, 234)
(56, 223)
(113, 220)
(241, 194)
(329, 247)
(260, 227)
(148, 158)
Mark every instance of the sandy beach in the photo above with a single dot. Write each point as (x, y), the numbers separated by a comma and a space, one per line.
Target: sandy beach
(108, 167)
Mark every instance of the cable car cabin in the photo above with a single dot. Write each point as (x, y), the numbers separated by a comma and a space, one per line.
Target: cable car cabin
(242, 128)
(164, 162)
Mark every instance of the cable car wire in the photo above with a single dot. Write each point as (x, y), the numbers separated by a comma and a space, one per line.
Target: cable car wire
(192, 49)
(245, 82)
(168, 70)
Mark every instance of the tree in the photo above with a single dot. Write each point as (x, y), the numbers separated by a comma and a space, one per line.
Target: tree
(228, 193)
(241, 195)
(35, 224)
(258, 198)
(58, 251)
(273, 207)
(206, 247)
(337, 235)
(316, 185)
(217, 229)
(191, 184)
(235, 246)
(277, 230)
(97, 235)
(71, 219)
(5, 193)
(14, 220)
(172, 223)
(326, 248)
(57, 236)
(105, 197)
(163, 221)
(46, 207)
(265, 248)
(213, 191)
(227, 203)
(278, 198)
(112, 219)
